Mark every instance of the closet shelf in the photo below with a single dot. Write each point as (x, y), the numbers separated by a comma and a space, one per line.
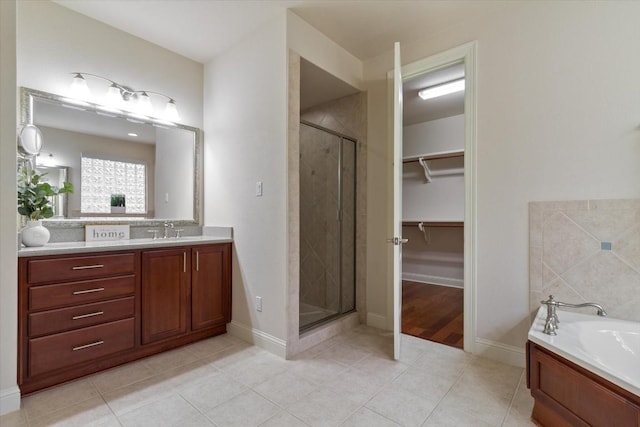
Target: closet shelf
(434, 156)
(431, 223)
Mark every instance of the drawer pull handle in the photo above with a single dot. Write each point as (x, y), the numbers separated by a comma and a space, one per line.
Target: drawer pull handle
(197, 260)
(88, 291)
(93, 344)
(87, 267)
(184, 262)
(84, 316)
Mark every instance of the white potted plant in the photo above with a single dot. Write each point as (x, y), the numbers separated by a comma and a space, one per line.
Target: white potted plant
(34, 203)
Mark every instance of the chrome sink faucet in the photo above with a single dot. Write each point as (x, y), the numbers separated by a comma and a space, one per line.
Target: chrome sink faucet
(551, 322)
(167, 227)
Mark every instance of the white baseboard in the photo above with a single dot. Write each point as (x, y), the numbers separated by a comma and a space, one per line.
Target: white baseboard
(434, 280)
(9, 400)
(504, 353)
(377, 321)
(258, 338)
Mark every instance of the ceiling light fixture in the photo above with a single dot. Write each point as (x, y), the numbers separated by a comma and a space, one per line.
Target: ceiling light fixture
(123, 97)
(442, 89)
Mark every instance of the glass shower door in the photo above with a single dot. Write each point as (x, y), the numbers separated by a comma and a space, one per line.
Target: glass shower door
(322, 217)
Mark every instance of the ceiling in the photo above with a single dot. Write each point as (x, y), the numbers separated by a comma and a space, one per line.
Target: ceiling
(202, 29)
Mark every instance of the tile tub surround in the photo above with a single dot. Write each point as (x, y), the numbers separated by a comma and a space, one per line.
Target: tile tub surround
(348, 380)
(570, 256)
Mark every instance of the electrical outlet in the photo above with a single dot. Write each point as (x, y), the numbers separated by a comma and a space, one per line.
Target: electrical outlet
(258, 303)
(258, 188)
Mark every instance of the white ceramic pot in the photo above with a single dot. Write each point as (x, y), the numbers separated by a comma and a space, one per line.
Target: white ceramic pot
(35, 234)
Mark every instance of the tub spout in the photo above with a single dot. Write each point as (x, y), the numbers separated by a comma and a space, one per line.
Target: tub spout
(600, 311)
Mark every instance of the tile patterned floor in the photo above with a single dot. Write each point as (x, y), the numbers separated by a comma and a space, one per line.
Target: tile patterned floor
(346, 381)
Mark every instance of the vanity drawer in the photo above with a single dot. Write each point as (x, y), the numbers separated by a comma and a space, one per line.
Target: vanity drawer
(49, 322)
(52, 296)
(80, 267)
(70, 348)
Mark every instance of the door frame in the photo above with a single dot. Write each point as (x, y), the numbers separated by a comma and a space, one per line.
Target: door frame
(466, 53)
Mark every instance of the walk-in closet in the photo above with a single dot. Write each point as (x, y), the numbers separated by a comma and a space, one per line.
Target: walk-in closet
(433, 197)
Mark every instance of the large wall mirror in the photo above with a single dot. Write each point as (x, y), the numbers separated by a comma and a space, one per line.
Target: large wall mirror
(124, 168)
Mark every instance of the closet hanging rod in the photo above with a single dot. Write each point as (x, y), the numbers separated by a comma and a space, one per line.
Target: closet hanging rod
(434, 156)
(433, 223)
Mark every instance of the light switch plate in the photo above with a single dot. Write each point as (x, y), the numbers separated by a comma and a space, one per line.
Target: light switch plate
(259, 189)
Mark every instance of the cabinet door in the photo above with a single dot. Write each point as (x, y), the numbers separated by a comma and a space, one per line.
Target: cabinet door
(210, 286)
(165, 293)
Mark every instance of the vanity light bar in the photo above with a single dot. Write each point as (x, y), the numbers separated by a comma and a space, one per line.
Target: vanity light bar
(122, 97)
(114, 112)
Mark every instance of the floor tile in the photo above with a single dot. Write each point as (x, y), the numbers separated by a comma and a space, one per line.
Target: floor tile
(207, 393)
(245, 410)
(14, 419)
(346, 354)
(401, 406)
(121, 376)
(93, 412)
(359, 386)
(171, 411)
(521, 406)
(285, 389)
(367, 418)
(317, 370)
(171, 359)
(323, 407)
(384, 369)
(213, 345)
(283, 419)
(46, 401)
(256, 368)
(128, 398)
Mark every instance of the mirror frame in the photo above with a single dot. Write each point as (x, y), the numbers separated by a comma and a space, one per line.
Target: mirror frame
(27, 97)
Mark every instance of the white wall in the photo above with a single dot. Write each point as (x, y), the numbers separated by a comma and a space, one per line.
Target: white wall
(54, 41)
(434, 136)
(246, 142)
(9, 392)
(174, 191)
(442, 199)
(557, 119)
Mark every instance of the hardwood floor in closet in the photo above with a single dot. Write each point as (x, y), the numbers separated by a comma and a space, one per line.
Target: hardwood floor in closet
(433, 312)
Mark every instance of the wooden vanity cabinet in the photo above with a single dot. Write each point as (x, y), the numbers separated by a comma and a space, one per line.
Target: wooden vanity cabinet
(79, 314)
(568, 395)
(184, 291)
(75, 312)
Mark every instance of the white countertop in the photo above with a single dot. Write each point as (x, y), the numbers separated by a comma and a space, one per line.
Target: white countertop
(118, 245)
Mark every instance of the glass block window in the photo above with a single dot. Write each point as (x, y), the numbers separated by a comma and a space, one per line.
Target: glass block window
(100, 178)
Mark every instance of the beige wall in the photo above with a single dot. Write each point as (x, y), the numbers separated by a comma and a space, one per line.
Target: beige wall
(9, 392)
(557, 119)
(245, 142)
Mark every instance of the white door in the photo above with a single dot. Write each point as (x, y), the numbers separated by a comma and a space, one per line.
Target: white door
(397, 201)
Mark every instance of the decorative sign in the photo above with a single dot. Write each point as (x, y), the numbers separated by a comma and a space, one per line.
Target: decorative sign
(96, 233)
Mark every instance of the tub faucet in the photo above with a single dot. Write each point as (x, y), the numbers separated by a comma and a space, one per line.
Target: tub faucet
(551, 322)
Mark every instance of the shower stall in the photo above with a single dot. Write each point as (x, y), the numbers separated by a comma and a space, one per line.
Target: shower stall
(327, 224)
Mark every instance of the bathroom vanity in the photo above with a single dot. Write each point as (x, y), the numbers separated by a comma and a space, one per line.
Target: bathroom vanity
(87, 307)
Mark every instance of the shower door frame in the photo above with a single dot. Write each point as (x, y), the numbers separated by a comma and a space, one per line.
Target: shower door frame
(340, 312)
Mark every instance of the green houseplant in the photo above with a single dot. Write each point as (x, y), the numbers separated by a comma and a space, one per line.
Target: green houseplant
(34, 196)
(34, 203)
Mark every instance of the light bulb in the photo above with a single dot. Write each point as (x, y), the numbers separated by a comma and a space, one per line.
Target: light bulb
(79, 88)
(171, 111)
(113, 97)
(144, 104)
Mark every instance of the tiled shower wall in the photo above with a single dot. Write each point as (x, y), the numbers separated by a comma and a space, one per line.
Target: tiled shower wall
(586, 251)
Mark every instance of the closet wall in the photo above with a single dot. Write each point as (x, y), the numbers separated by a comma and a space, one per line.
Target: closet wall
(435, 253)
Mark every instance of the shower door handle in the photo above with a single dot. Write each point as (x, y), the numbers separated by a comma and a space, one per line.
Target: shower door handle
(397, 241)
